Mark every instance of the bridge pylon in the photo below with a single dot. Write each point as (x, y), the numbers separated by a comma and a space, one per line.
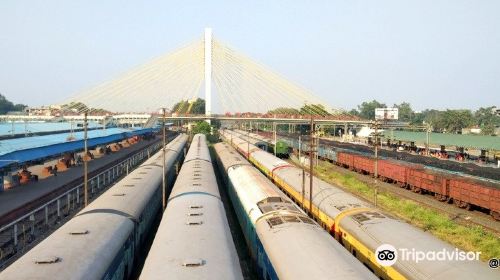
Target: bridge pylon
(208, 72)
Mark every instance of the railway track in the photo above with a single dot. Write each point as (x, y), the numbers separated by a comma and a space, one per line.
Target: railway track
(459, 215)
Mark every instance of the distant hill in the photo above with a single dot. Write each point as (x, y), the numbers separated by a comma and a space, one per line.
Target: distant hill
(7, 106)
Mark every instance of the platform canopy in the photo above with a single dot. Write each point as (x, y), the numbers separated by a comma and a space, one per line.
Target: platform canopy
(23, 150)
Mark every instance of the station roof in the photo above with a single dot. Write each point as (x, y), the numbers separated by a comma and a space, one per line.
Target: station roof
(480, 142)
(21, 127)
(33, 148)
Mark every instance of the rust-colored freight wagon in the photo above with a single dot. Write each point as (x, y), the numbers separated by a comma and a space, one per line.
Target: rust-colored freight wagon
(427, 180)
(395, 171)
(363, 164)
(346, 160)
(466, 192)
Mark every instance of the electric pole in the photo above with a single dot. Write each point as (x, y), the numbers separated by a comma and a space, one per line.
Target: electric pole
(85, 162)
(427, 140)
(376, 161)
(163, 181)
(248, 144)
(311, 167)
(275, 142)
(300, 147)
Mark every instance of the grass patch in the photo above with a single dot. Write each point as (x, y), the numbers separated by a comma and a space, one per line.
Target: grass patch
(468, 238)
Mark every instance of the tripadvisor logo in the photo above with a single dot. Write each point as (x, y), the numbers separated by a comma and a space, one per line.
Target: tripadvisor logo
(386, 255)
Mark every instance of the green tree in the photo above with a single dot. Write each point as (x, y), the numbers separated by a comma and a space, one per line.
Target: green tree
(284, 110)
(487, 120)
(19, 107)
(431, 116)
(367, 109)
(81, 107)
(176, 106)
(201, 127)
(452, 121)
(406, 113)
(418, 118)
(7, 106)
(182, 107)
(198, 107)
(354, 112)
(314, 109)
(78, 106)
(308, 109)
(488, 129)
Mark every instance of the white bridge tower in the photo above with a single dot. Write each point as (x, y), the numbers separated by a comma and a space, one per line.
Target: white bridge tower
(208, 72)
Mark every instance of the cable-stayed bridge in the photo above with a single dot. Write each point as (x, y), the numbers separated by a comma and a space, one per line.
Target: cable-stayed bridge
(237, 83)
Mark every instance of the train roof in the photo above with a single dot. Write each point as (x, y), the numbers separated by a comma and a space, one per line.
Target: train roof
(131, 194)
(285, 231)
(194, 240)
(376, 229)
(193, 247)
(231, 157)
(288, 244)
(66, 253)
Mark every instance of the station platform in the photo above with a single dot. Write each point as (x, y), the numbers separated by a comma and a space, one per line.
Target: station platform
(12, 199)
(17, 152)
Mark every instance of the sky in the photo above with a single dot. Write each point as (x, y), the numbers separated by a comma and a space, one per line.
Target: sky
(431, 53)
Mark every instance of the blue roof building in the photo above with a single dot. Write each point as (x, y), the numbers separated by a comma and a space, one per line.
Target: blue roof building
(22, 150)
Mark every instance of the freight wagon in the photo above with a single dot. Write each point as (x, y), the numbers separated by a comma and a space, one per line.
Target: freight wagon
(464, 191)
(467, 192)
